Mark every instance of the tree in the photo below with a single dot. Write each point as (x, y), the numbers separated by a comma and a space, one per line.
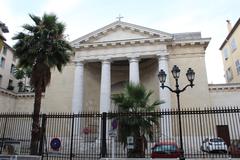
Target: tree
(41, 47)
(134, 101)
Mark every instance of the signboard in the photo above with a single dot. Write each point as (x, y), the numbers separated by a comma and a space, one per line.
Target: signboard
(112, 133)
(114, 124)
(55, 144)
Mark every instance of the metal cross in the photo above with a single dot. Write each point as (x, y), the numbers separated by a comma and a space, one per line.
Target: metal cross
(119, 17)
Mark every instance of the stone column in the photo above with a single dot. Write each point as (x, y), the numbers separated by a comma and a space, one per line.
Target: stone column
(134, 70)
(165, 95)
(77, 100)
(105, 90)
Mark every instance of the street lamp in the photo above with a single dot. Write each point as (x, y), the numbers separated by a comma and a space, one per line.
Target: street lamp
(176, 73)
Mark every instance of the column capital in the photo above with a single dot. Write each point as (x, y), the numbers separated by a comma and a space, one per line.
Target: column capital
(134, 59)
(106, 61)
(163, 56)
(79, 62)
(162, 53)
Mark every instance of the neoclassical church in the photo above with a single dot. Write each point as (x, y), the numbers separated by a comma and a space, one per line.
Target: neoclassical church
(106, 59)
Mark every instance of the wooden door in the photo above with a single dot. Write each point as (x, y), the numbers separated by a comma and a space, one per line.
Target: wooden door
(223, 132)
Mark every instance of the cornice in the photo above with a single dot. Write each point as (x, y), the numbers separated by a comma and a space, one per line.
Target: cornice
(232, 87)
(202, 41)
(17, 95)
(127, 42)
(145, 41)
(121, 55)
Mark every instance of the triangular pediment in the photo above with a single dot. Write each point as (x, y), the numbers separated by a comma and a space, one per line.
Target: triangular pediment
(119, 34)
(121, 31)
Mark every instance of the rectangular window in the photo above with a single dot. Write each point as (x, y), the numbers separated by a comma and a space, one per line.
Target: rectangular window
(2, 62)
(10, 85)
(10, 82)
(237, 63)
(225, 53)
(4, 49)
(0, 80)
(233, 45)
(12, 69)
(229, 74)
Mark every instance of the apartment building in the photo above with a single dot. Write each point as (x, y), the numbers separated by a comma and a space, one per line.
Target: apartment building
(230, 49)
(7, 62)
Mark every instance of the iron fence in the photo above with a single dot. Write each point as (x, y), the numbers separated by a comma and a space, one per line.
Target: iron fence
(95, 135)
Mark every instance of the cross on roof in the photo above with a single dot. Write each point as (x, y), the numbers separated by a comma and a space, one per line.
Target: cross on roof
(119, 17)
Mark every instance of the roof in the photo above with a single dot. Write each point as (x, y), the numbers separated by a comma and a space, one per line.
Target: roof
(187, 36)
(9, 47)
(93, 39)
(230, 34)
(166, 143)
(2, 37)
(125, 24)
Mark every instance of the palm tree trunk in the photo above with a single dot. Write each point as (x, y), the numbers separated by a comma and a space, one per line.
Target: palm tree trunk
(139, 148)
(36, 125)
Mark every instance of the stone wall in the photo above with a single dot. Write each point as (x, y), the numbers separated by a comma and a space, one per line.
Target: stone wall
(225, 94)
(7, 101)
(190, 57)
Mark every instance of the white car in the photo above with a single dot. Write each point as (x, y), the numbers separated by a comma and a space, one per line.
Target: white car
(216, 144)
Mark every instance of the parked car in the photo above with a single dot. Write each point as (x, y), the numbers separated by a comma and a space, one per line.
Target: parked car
(216, 144)
(166, 150)
(234, 149)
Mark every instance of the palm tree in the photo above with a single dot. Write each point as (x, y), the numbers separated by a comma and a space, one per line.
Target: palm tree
(134, 101)
(41, 47)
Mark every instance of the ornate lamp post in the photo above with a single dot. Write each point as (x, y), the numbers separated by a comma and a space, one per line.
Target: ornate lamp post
(176, 73)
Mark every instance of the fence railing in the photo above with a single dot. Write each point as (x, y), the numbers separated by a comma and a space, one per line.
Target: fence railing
(206, 133)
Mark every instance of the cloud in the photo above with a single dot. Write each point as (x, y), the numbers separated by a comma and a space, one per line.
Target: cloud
(13, 22)
(60, 6)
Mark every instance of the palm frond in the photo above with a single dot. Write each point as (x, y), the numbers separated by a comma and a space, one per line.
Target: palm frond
(36, 19)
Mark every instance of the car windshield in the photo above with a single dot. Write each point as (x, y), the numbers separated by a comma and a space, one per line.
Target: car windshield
(163, 148)
(216, 140)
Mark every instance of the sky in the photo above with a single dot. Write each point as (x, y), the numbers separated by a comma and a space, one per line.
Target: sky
(173, 16)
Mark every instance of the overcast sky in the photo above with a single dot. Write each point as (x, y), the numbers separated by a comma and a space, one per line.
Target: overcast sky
(172, 16)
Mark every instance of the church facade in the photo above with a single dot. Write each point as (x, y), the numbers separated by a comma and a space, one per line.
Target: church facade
(106, 59)
(120, 52)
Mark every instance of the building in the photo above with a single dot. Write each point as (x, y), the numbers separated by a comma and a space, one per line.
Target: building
(230, 49)
(7, 62)
(120, 52)
(113, 55)
(7, 67)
